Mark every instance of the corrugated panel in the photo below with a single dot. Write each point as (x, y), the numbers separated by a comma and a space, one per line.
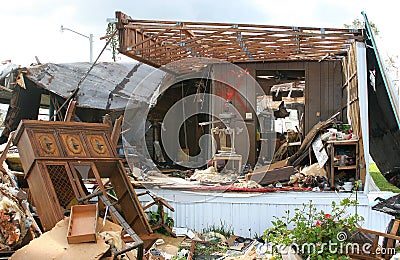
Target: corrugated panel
(251, 214)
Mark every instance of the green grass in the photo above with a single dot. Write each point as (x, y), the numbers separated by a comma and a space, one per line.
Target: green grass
(380, 181)
(223, 229)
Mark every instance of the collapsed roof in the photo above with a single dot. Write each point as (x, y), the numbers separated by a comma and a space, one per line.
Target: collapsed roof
(108, 86)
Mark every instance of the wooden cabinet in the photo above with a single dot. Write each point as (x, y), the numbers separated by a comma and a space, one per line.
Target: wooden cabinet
(56, 156)
(38, 140)
(344, 160)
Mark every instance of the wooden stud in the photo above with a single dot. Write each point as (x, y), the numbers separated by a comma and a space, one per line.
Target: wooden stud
(116, 132)
(3, 156)
(69, 115)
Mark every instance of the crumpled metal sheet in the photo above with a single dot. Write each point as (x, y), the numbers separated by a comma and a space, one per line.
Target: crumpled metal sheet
(108, 86)
(6, 69)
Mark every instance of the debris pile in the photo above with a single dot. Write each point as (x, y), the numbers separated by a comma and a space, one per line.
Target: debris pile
(389, 206)
(210, 175)
(14, 224)
(15, 217)
(215, 244)
(317, 165)
(327, 159)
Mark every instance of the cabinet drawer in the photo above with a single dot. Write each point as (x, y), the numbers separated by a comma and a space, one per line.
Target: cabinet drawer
(46, 144)
(73, 144)
(97, 144)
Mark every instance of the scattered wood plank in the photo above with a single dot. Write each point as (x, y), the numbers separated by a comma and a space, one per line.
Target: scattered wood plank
(271, 176)
(3, 156)
(116, 132)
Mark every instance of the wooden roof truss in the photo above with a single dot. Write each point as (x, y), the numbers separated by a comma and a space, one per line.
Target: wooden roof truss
(158, 43)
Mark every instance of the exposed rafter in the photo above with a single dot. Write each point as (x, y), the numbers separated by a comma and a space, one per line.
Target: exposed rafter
(158, 43)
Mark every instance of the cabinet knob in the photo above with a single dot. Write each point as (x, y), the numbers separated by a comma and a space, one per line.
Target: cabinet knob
(47, 143)
(74, 144)
(99, 145)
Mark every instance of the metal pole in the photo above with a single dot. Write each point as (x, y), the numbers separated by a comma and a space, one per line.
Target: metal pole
(90, 37)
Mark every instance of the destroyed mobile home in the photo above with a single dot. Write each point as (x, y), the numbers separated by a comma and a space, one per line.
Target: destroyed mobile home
(209, 108)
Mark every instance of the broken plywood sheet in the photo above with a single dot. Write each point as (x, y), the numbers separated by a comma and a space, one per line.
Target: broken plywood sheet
(54, 245)
(278, 164)
(265, 168)
(271, 176)
(171, 244)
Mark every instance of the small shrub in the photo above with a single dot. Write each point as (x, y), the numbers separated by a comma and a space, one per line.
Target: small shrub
(154, 219)
(315, 234)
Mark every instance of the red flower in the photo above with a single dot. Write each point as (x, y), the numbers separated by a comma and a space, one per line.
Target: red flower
(327, 215)
(318, 223)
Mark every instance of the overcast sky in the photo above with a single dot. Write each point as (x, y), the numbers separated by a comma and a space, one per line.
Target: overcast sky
(32, 27)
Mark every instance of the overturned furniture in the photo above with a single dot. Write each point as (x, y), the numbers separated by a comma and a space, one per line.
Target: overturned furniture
(388, 239)
(370, 245)
(56, 156)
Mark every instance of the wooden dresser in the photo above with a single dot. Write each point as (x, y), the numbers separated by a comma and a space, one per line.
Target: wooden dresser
(56, 156)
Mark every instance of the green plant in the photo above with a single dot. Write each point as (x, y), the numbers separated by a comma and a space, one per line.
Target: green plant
(223, 229)
(359, 24)
(315, 234)
(175, 257)
(154, 219)
(209, 249)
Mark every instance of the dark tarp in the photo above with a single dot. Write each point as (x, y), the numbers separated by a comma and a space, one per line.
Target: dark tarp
(384, 128)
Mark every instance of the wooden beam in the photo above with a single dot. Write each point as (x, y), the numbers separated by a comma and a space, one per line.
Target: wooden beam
(69, 115)
(3, 156)
(116, 132)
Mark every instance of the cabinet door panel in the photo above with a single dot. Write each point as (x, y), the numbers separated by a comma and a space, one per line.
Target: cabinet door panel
(61, 179)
